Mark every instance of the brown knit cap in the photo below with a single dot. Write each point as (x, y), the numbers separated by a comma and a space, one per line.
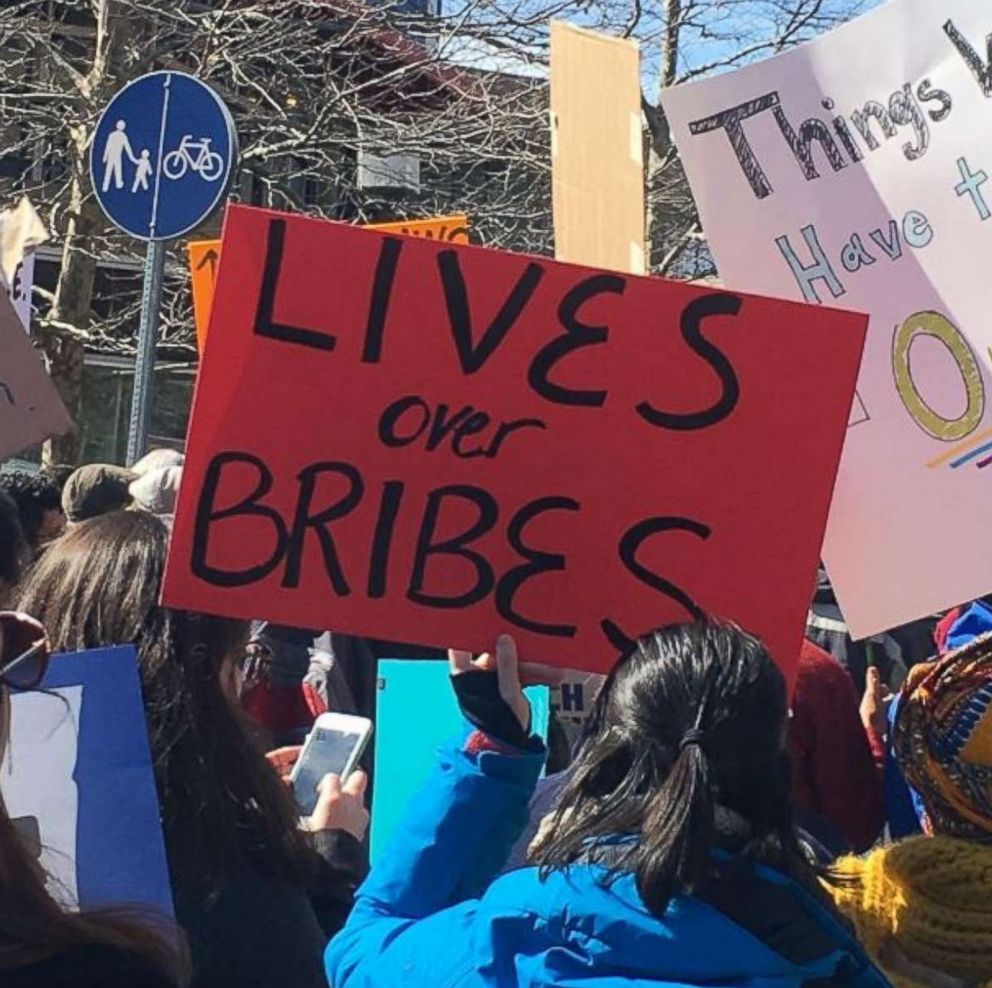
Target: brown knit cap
(96, 489)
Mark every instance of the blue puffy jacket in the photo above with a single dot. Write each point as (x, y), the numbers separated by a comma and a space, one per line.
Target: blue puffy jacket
(432, 916)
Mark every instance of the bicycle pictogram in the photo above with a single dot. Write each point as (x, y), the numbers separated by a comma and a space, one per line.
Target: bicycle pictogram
(195, 156)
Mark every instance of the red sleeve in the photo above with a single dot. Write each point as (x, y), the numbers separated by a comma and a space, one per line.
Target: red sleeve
(837, 776)
(877, 745)
(479, 741)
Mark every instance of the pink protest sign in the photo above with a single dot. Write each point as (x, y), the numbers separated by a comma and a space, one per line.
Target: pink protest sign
(853, 171)
(30, 407)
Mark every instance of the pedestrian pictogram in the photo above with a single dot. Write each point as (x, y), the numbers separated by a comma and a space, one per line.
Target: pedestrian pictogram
(116, 147)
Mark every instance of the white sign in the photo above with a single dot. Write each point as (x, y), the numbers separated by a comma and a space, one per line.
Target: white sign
(573, 700)
(854, 171)
(77, 781)
(20, 289)
(21, 230)
(38, 781)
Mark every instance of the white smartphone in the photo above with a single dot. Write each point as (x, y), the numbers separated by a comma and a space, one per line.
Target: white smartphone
(335, 744)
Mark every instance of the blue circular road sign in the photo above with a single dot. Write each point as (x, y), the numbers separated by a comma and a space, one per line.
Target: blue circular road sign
(162, 155)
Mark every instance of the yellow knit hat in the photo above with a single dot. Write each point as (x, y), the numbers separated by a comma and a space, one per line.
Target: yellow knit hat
(931, 896)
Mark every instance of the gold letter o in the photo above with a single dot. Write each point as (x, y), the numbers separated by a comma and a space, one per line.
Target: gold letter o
(938, 326)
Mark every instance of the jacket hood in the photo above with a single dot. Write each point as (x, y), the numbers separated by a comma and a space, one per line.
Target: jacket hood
(756, 928)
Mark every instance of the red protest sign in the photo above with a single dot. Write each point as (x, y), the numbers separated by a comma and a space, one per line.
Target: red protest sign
(432, 443)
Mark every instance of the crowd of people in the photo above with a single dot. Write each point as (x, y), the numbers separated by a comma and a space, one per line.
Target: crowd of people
(709, 825)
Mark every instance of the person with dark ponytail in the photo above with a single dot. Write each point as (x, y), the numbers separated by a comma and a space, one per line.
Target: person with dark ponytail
(671, 859)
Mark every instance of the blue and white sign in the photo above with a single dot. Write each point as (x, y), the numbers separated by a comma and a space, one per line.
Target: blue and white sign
(162, 155)
(77, 781)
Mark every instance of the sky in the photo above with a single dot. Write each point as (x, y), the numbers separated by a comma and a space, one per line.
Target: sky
(723, 29)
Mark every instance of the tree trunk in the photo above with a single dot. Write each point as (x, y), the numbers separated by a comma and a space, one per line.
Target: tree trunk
(64, 333)
(66, 369)
(62, 339)
(659, 134)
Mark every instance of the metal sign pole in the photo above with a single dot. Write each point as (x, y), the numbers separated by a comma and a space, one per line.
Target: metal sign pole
(162, 154)
(144, 363)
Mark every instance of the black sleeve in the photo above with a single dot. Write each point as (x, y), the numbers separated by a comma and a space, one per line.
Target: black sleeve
(483, 706)
(343, 865)
(89, 966)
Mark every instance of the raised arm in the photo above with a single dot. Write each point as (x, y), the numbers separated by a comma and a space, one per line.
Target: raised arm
(412, 913)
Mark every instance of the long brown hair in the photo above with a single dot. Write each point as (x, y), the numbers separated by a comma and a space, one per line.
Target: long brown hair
(34, 926)
(222, 803)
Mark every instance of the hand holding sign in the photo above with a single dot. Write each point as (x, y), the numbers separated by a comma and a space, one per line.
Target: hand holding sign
(428, 442)
(24, 651)
(489, 690)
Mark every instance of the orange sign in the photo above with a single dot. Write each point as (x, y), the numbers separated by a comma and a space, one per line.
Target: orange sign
(204, 256)
(450, 229)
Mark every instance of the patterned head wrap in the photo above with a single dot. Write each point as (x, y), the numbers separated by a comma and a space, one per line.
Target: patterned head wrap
(943, 740)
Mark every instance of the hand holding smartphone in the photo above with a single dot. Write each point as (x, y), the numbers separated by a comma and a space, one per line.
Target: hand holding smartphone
(333, 747)
(341, 806)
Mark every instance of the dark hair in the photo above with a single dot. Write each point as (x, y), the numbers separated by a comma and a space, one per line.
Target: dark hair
(14, 550)
(34, 494)
(559, 748)
(694, 718)
(221, 801)
(59, 473)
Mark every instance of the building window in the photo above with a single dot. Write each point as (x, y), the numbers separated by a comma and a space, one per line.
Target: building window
(106, 408)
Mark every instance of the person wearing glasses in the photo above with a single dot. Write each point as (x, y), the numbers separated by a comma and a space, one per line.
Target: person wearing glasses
(42, 944)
